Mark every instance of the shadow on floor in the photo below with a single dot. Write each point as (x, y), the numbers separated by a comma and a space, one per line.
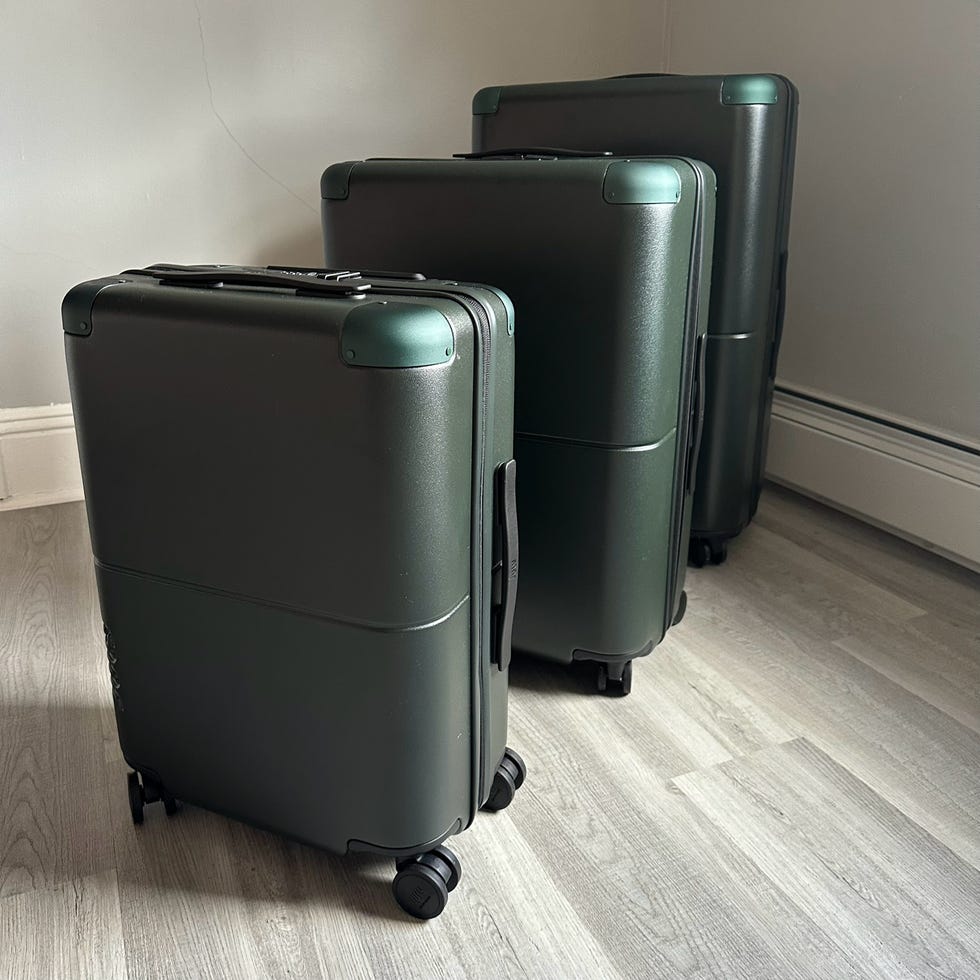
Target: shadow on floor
(546, 677)
(65, 802)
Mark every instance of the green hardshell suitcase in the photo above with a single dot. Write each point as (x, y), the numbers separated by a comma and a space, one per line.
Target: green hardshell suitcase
(744, 127)
(300, 491)
(607, 262)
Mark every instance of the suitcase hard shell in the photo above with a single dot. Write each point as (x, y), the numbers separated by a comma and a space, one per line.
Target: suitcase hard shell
(299, 487)
(744, 127)
(606, 261)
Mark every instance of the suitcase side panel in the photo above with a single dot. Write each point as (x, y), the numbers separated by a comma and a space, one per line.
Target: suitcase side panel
(500, 450)
(692, 423)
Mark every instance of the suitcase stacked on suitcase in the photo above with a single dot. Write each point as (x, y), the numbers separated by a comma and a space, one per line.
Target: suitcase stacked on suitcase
(302, 485)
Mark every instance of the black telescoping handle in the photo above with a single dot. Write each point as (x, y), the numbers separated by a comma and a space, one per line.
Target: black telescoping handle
(505, 516)
(532, 153)
(242, 276)
(697, 411)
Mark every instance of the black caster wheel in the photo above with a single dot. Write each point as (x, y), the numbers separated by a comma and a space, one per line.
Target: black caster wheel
(508, 779)
(136, 800)
(699, 553)
(681, 608)
(615, 679)
(719, 552)
(442, 854)
(423, 882)
(147, 790)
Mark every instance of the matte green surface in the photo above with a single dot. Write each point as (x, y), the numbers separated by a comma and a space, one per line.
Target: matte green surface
(76, 308)
(594, 552)
(293, 721)
(751, 151)
(395, 335)
(348, 637)
(750, 90)
(641, 182)
(486, 100)
(605, 320)
(334, 182)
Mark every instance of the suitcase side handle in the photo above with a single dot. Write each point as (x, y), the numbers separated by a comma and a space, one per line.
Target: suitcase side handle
(697, 411)
(780, 315)
(505, 571)
(532, 153)
(237, 276)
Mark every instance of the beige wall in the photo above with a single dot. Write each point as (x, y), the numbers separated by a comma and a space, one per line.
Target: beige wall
(883, 295)
(138, 132)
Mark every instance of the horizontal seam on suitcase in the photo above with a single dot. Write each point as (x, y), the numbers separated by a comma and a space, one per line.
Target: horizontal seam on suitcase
(586, 444)
(286, 607)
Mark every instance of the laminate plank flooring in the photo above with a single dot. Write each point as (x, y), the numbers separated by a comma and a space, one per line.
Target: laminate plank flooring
(897, 900)
(71, 930)
(792, 790)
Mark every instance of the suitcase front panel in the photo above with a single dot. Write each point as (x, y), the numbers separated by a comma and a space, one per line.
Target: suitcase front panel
(594, 569)
(291, 516)
(292, 476)
(600, 288)
(601, 278)
(326, 732)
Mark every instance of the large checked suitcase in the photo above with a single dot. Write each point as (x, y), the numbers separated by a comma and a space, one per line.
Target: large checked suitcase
(300, 493)
(605, 260)
(744, 127)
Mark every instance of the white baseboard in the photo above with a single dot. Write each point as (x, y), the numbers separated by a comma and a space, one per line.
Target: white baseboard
(38, 457)
(917, 487)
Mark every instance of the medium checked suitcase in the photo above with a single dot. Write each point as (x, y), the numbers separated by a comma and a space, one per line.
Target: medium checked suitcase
(744, 127)
(607, 262)
(300, 490)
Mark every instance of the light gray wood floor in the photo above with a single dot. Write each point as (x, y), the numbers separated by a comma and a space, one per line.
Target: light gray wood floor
(792, 790)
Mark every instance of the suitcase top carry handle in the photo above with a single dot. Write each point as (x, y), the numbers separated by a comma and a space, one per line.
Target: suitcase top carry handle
(645, 74)
(532, 153)
(302, 283)
(363, 273)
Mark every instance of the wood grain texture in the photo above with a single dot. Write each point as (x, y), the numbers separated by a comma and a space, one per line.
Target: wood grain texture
(900, 902)
(948, 590)
(71, 930)
(792, 790)
(54, 812)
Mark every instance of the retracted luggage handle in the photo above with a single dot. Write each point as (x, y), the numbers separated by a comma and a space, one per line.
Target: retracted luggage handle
(505, 517)
(237, 276)
(697, 410)
(533, 153)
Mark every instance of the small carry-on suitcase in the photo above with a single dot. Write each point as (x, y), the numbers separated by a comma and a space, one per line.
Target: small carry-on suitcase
(607, 263)
(300, 491)
(744, 127)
